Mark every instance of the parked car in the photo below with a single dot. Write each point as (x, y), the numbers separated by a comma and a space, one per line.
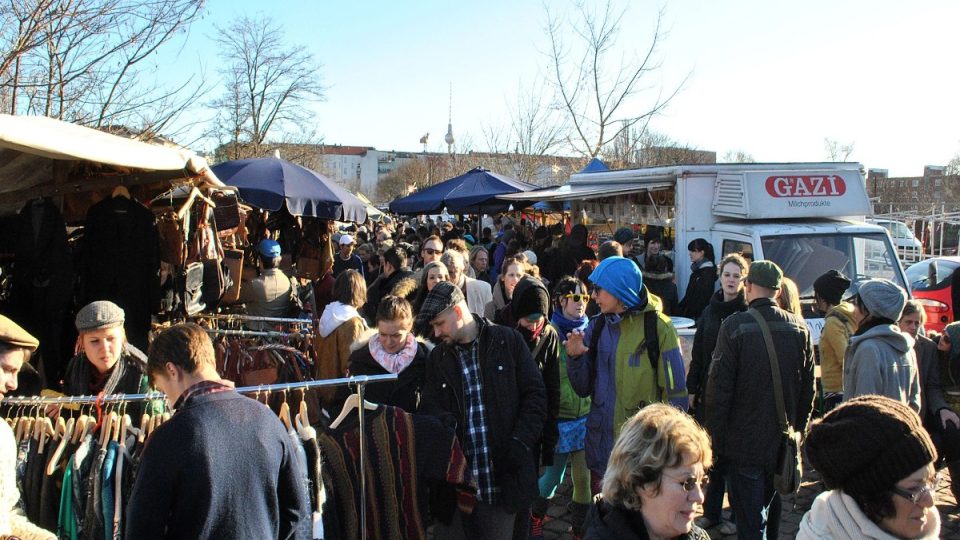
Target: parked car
(930, 282)
(909, 248)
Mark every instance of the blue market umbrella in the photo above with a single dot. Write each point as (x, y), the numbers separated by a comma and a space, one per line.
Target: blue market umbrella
(272, 183)
(473, 192)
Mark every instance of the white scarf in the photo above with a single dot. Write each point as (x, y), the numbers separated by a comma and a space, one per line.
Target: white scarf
(834, 515)
(334, 315)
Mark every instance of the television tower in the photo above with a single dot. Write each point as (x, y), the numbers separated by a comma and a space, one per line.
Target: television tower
(448, 138)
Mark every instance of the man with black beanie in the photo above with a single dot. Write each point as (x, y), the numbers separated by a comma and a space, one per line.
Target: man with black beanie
(838, 326)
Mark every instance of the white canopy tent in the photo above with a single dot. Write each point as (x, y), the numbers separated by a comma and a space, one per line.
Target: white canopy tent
(44, 157)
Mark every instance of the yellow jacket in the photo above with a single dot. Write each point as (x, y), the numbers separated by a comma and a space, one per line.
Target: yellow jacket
(838, 326)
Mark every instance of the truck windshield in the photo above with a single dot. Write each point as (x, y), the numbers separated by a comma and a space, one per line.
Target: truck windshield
(859, 256)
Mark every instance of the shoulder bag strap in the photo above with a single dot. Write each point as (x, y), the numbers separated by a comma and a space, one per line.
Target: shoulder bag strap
(774, 368)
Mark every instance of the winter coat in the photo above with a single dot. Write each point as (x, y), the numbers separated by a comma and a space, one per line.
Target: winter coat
(620, 381)
(497, 303)
(405, 391)
(514, 399)
(477, 293)
(332, 346)
(699, 291)
(740, 404)
(548, 361)
(881, 361)
(838, 326)
(834, 515)
(605, 521)
(704, 342)
(931, 390)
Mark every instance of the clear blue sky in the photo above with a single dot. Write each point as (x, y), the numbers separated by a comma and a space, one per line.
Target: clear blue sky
(770, 78)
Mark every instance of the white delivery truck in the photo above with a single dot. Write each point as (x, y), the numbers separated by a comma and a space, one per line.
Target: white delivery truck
(806, 217)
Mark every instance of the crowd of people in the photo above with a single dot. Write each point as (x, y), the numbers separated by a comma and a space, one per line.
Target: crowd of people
(548, 357)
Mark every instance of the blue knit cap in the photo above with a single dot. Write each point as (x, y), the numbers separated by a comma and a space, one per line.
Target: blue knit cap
(620, 277)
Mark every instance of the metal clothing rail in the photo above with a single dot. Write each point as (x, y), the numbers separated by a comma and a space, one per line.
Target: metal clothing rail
(359, 380)
(227, 317)
(250, 333)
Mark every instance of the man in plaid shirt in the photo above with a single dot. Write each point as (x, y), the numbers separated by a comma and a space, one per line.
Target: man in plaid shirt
(482, 379)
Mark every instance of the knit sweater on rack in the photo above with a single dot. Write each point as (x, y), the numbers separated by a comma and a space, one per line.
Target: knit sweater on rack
(221, 467)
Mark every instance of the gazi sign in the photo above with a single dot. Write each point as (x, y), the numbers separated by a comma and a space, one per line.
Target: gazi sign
(806, 186)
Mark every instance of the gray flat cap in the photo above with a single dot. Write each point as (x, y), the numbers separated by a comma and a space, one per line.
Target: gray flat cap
(98, 315)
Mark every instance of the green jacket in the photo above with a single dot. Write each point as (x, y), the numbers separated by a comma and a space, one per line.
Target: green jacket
(571, 405)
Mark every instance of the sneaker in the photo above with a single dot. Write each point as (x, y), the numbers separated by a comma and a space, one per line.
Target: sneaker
(536, 527)
(727, 528)
(706, 523)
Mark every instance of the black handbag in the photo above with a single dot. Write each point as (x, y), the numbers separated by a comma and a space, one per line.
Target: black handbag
(789, 471)
(193, 288)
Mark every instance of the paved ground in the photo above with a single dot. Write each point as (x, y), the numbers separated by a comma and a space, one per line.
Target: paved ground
(558, 527)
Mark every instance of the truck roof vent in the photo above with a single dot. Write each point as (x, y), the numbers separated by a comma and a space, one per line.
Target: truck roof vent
(730, 196)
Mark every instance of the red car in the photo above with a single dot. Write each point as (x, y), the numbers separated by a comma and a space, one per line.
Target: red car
(930, 283)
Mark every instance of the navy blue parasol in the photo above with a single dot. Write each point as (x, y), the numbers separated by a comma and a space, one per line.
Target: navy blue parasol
(471, 193)
(272, 183)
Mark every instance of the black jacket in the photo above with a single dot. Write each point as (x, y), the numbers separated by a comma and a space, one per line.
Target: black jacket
(704, 341)
(121, 262)
(605, 522)
(378, 289)
(699, 291)
(741, 411)
(514, 398)
(405, 391)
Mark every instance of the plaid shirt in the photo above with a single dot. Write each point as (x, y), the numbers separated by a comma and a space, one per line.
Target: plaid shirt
(477, 448)
(200, 389)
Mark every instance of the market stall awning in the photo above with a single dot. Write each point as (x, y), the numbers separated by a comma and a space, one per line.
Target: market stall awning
(571, 192)
(273, 183)
(475, 191)
(373, 212)
(42, 156)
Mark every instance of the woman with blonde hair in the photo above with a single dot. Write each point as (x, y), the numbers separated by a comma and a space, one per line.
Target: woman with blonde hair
(655, 479)
(788, 298)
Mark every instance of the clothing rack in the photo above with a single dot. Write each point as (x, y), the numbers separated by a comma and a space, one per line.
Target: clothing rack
(361, 381)
(249, 333)
(227, 317)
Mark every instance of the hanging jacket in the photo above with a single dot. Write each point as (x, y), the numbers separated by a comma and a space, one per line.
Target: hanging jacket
(619, 376)
(838, 326)
(881, 361)
(704, 341)
(699, 290)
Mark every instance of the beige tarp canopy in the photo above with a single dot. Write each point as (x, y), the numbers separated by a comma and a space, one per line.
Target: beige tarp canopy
(44, 157)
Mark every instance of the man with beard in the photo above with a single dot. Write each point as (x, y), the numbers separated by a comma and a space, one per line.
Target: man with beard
(482, 379)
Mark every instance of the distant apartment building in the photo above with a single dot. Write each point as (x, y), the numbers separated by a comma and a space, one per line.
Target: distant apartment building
(919, 194)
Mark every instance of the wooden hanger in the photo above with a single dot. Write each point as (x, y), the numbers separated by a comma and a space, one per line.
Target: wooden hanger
(55, 458)
(285, 415)
(121, 191)
(144, 427)
(350, 404)
(302, 419)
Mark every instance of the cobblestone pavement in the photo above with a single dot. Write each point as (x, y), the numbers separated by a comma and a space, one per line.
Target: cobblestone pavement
(558, 527)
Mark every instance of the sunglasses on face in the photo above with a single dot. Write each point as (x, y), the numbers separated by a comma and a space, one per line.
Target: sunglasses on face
(914, 495)
(577, 297)
(691, 482)
(431, 251)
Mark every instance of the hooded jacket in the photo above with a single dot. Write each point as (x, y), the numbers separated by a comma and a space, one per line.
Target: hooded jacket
(340, 327)
(620, 379)
(838, 326)
(881, 361)
(834, 515)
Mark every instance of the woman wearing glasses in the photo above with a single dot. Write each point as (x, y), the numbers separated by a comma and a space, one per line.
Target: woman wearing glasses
(569, 314)
(877, 461)
(655, 480)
